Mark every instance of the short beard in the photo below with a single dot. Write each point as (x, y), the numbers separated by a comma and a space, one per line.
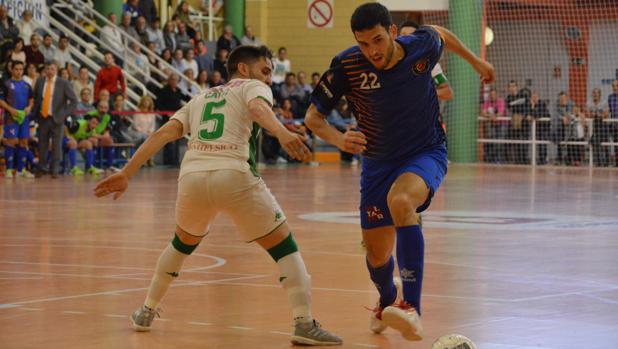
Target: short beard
(389, 55)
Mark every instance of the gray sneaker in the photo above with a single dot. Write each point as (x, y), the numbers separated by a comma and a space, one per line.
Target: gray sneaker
(142, 318)
(311, 333)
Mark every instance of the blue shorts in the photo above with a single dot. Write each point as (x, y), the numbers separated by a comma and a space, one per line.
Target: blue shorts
(14, 130)
(378, 177)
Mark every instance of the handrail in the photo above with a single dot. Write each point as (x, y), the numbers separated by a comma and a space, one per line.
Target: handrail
(150, 78)
(194, 14)
(97, 53)
(131, 39)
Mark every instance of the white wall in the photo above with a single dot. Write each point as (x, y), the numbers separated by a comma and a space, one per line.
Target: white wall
(602, 55)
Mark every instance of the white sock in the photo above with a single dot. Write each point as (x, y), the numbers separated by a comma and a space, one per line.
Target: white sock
(297, 283)
(170, 262)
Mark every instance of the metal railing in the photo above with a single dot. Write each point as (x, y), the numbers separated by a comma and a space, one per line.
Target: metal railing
(533, 141)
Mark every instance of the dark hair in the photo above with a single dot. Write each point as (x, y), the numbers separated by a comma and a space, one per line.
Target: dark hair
(368, 15)
(288, 74)
(246, 54)
(14, 63)
(315, 73)
(409, 23)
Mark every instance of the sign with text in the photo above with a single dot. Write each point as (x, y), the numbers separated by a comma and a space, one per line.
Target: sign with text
(37, 7)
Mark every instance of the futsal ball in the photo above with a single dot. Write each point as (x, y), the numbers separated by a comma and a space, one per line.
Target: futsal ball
(453, 341)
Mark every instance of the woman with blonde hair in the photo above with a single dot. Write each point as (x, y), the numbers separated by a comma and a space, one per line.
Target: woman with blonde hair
(144, 121)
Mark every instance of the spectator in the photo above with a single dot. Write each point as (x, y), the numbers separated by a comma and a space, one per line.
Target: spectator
(127, 27)
(558, 125)
(539, 109)
(182, 38)
(315, 80)
(197, 39)
(341, 118)
(132, 8)
(185, 86)
(183, 13)
(517, 105)
(63, 55)
(83, 81)
(216, 79)
(227, 40)
(191, 63)
(302, 82)
(598, 111)
(141, 29)
(104, 97)
(292, 90)
(140, 68)
(612, 102)
(48, 50)
(492, 109)
(204, 61)
(110, 77)
(144, 122)
(575, 132)
(85, 103)
(166, 55)
(249, 38)
(217, 5)
(282, 66)
(148, 9)
(111, 36)
(154, 63)
(178, 61)
(8, 30)
(32, 74)
(33, 54)
(169, 36)
(17, 53)
(287, 117)
(155, 35)
(64, 74)
(219, 63)
(25, 25)
(202, 80)
(85, 134)
(170, 98)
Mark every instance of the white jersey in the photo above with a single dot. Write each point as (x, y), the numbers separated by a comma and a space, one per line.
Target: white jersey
(222, 136)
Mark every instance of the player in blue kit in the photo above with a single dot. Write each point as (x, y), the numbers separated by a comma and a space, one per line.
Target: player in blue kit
(387, 82)
(17, 99)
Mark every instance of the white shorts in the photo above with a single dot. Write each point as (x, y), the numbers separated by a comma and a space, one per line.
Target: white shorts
(241, 195)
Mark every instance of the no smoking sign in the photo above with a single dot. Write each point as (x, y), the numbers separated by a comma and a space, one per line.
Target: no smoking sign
(320, 13)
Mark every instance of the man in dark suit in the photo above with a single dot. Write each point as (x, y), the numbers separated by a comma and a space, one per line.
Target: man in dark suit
(54, 101)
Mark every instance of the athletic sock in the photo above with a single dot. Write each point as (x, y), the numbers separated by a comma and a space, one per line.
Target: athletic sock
(294, 278)
(73, 158)
(168, 268)
(9, 153)
(89, 158)
(22, 154)
(410, 259)
(382, 278)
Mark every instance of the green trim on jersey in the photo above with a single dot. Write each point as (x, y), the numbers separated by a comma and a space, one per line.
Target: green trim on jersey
(439, 79)
(265, 100)
(253, 142)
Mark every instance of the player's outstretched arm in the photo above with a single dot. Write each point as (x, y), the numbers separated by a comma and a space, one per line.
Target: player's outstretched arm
(261, 112)
(118, 182)
(351, 142)
(453, 44)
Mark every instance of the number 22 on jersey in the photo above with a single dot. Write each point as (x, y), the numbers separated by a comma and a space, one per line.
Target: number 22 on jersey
(211, 126)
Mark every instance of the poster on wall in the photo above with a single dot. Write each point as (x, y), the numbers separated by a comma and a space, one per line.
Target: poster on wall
(320, 14)
(16, 7)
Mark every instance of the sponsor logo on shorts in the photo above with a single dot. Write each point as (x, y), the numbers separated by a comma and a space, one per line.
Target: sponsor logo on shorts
(278, 216)
(374, 214)
(207, 147)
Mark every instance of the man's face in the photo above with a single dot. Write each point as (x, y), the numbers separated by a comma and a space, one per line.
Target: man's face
(141, 22)
(615, 86)
(173, 81)
(534, 98)
(85, 96)
(104, 95)
(512, 88)
(126, 20)
(35, 41)
(3, 12)
(564, 99)
(94, 122)
(290, 80)
(51, 70)
(17, 71)
(407, 31)
(109, 59)
(262, 70)
(112, 18)
(493, 95)
(315, 79)
(63, 43)
(48, 41)
(301, 78)
(377, 45)
(596, 94)
(178, 55)
(119, 102)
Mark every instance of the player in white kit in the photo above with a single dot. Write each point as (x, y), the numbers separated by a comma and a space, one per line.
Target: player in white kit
(218, 174)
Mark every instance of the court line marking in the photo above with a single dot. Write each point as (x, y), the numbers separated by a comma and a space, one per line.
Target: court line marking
(366, 345)
(74, 312)
(116, 315)
(53, 299)
(473, 324)
(199, 323)
(281, 333)
(241, 328)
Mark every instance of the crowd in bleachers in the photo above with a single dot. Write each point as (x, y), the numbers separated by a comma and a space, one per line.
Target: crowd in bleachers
(567, 128)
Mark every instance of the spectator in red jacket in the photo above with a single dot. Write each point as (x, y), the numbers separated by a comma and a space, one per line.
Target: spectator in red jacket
(110, 78)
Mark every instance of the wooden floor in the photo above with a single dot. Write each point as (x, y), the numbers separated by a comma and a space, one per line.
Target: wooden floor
(517, 258)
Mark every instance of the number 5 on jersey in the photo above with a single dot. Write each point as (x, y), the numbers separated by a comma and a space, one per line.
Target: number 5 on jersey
(212, 123)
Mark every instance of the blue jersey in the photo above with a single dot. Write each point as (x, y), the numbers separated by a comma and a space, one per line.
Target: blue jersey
(16, 93)
(396, 109)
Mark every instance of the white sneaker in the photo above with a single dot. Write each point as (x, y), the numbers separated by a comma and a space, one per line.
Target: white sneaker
(376, 322)
(112, 169)
(404, 318)
(8, 174)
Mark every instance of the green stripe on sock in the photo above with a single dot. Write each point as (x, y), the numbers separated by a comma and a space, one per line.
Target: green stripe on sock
(181, 246)
(284, 248)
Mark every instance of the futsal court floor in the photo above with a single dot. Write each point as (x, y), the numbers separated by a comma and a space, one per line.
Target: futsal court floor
(517, 258)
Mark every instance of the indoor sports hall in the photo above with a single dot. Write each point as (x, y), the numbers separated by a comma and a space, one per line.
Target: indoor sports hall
(521, 238)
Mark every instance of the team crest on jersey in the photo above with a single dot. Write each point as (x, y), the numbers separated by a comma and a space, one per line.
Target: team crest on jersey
(421, 66)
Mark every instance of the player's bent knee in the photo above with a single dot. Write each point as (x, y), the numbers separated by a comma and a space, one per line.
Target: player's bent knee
(184, 242)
